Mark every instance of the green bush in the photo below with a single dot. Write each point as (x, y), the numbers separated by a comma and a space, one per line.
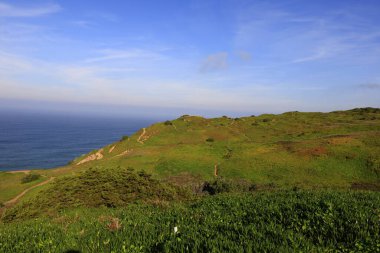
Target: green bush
(210, 140)
(96, 187)
(168, 123)
(223, 185)
(30, 178)
(124, 138)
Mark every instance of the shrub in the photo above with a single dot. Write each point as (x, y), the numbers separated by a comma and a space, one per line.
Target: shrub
(168, 123)
(218, 186)
(96, 187)
(210, 140)
(125, 137)
(30, 178)
(223, 185)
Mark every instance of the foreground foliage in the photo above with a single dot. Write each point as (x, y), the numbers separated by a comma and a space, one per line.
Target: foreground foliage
(30, 177)
(96, 187)
(260, 222)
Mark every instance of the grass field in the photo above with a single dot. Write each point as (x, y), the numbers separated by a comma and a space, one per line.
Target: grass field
(11, 185)
(282, 221)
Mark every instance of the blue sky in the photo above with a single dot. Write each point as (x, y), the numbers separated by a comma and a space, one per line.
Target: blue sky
(190, 57)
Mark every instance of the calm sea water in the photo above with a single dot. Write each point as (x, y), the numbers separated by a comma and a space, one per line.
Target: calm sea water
(29, 141)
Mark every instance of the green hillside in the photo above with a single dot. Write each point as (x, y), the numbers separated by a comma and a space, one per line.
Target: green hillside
(282, 182)
(336, 149)
(339, 150)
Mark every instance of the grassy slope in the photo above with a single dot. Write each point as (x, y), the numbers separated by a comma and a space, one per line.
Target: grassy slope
(11, 186)
(305, 149)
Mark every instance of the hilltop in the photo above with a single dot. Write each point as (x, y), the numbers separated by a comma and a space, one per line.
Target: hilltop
(336, 149)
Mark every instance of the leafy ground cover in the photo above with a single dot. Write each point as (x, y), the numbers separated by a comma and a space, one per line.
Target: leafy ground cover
(281, 221)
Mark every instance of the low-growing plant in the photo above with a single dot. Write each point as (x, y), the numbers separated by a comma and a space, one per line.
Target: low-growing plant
(210, 139)
(96, 187)
(30, 177)
(224, 185)
(124, 138)
(284, 221)
(168, 123)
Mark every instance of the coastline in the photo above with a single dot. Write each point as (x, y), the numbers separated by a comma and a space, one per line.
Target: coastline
(17, 171)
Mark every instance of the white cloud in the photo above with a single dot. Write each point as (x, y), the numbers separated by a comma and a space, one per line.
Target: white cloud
(372, 86)
(296, 37)
(214, 62)
(244, 56)
(7, 10)
(320, 54)
(112, 54)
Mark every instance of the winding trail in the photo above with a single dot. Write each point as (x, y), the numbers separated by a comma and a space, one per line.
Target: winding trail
(141, 135)
(15, 199)
(97, 156)
(18, 171)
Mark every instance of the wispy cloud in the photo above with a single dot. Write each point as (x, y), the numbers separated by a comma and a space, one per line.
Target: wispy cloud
(214, 62)
(374, 86)
(8, 10)
(112, 54)
(320, 54)
(82, 23)
(244, 56)
(296, 37)
(106, 16)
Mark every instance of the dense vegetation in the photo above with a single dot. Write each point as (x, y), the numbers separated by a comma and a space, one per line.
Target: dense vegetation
(263, 222)
(30, 177)
(96, 187)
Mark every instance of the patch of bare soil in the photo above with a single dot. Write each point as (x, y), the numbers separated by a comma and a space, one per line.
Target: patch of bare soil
(316, 151)
(365, 186)
(141, 138)
(19, 171)
(126, 152)
(97, 156)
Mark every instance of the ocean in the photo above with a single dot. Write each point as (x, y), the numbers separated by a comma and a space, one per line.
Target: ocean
(40, 141)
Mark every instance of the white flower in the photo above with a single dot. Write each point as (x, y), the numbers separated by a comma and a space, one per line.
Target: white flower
(175, 230)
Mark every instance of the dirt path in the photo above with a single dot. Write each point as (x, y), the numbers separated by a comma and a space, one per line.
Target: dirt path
(19, 171)
(97, 156)
(141, 136)
(15, 199)
(126, 152)
(111, 149)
